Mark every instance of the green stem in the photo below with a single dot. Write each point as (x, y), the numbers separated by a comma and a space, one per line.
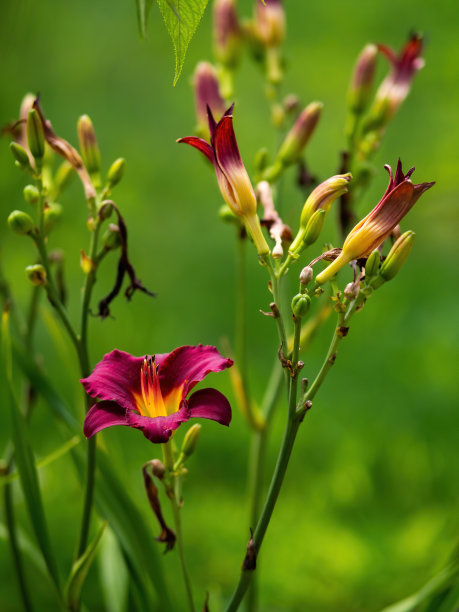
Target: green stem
(175, 496)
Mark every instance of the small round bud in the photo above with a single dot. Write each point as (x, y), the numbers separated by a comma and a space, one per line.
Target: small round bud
(36, 275)
(52, 216)
(115, 173)
(300, 304)
(105, 211)
(111, 238)
(31, 194)
(158, 469)
(306, 275)
(351, 291)
(20, 222)
(35, 135)
(372, 265)
(20, 155)
(191, 440)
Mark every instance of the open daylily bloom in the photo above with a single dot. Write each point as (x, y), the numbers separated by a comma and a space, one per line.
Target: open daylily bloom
(396, 86)
(232, 177)
(149, 393)
(400, 196)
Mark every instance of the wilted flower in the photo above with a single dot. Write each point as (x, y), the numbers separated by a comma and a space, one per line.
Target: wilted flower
(149, 393)
(232, 177)
(401, 194)
(206, 93)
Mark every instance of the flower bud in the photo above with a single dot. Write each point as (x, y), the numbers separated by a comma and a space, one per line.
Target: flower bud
(36, 275)
(31, 194)
(52, 216)
(397, 256)
(227, 33)
(191, 440)
(261, 159)
(89, 147)
(351, 291)
(314, 227)
(20, 155)
(226, 215)
(207, 93)
(86, 263)
(62, 178)
(35, 135)
(20, 222)
(158, 469)
(297, 138)
(362, 81)
(306, 275)
(300, 304)
(270, 23)
(115, 173)
(111, 238)
(372, 265)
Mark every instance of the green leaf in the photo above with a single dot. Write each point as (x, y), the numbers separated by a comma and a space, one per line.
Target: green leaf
(143, 12)
(114, 575)
(181, 17)
(79, 572)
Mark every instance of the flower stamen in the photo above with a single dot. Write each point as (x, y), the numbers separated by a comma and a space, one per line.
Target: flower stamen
(153, 403)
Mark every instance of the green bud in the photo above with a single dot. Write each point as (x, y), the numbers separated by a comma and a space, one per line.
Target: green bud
(52, 216)
(261, 159)
(36, 275)
(62, 178)
(105, 211)
(300, 304)
(31, 194)
(20, 155)
(226, 214)
(397, 256)
(190, 441)
(35, 135)
(115, 173)
(314, 227)
(89, 147)
(111, 238)
(372, 265)
(20, 222)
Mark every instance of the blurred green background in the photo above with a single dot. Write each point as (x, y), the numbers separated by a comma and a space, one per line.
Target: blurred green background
(368, 512)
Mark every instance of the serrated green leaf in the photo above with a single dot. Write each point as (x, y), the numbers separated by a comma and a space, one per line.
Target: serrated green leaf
(80, 570)
(143, 12)
(181, 17)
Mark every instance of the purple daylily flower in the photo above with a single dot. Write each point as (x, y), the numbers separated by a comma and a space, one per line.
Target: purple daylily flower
(149, 393)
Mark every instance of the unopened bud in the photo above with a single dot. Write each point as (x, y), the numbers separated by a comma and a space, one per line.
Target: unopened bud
(300, 304)
(397, 256)
(226, 214)
(89, 147)
(191, 440)
(36, 275)
(314, 227)
(297, 138)
(111, 238)
(52, 216)
(261, 159)
(115, 173)
(291, 103)
(351, 291)
(87, 264)
(207, 94)
(62, 178)
(31, 194)
(227, 33)
(157, 468)
(306, 275)
(372, 264)
(270, 23)
(362, 81)
(35, 135)
(20, 222)
(20, 155)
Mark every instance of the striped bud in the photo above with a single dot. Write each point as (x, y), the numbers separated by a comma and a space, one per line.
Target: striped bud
(116, 172)
(89, 148)
(300, 305)
(35, 135)
(298, 137)
(397, 256)
(20, 222)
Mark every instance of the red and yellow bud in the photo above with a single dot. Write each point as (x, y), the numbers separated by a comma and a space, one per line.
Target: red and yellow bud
(89, 148)
(362, 80)
(298, 137)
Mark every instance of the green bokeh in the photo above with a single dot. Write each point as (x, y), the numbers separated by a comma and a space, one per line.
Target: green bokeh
(368, 511)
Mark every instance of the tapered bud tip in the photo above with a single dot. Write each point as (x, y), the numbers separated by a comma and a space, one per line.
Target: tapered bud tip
(52, 216)
(397, 256)
(116, 172)
(20, 155)
(88, 145)
(111, 238)
(299, 135)
(207, 93)
(351, 291)
(300, 304)
(35, 134)
(20, 222)
(306, 275)
(191, 440)
(372, 264)
(31, 194)
(323, 196)
(36, 275)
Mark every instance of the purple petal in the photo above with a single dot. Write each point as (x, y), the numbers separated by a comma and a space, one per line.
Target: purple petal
(187, 365)
(102, 415)
(116, 378)
(210, 404)
(225, 147)
(159, 429)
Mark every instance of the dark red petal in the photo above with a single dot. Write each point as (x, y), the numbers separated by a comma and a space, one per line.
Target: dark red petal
(419, 190)
(116, 378)
(210, 404)
(201, 145)
(102, 415)
(189, 364)
(225, 147)
(159, 429)
(212, 123)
